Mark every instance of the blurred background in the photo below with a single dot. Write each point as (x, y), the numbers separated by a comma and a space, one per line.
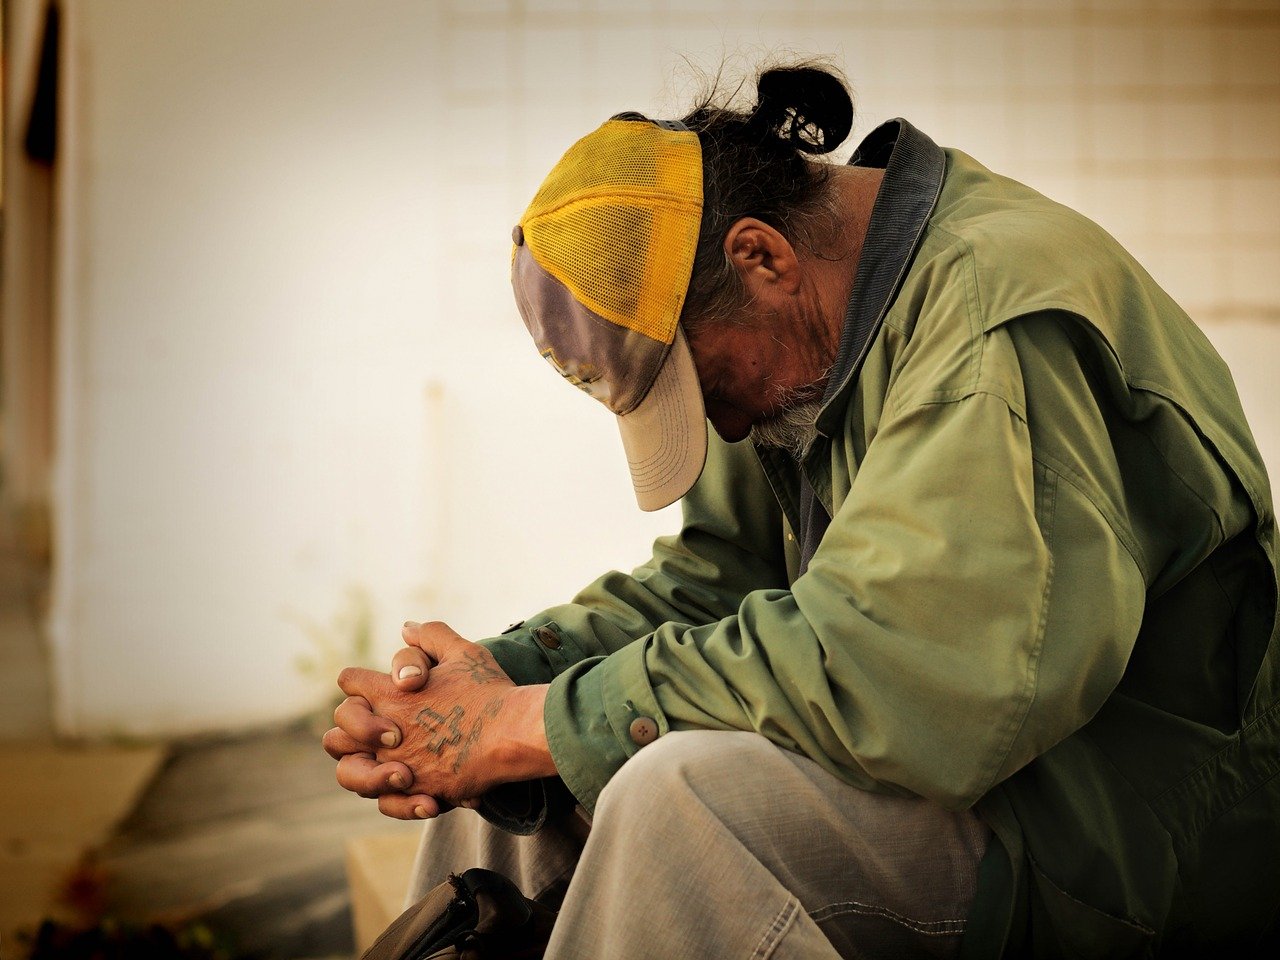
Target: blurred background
(264, 393)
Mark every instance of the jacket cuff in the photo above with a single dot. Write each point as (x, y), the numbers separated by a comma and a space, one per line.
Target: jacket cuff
(533, 651)
(598, 714)
(525, 807)
(529, 652)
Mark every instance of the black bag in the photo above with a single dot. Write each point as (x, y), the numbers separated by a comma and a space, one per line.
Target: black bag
(480, 915)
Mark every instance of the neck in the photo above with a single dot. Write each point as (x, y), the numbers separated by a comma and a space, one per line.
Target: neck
(816, 343)
(829, 275)
(856, 189)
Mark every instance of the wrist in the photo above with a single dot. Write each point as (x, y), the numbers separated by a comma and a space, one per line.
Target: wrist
(524, 753)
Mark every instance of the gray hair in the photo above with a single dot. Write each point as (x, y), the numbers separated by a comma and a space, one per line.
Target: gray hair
(756, 163)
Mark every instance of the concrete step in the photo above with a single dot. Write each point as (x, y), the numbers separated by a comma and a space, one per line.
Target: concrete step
(378, 876)
(247, 833)
(58, 803)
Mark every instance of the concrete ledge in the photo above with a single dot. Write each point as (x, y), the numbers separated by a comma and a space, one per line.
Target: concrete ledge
(378, 870)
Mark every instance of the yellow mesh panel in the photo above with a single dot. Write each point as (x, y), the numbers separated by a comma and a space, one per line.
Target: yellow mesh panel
(617, 221)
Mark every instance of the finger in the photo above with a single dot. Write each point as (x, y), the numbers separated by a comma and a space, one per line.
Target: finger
(363, 775)
(338, 743)
(435, 639)
(359, 682)
(355, 717)
(409, 669)
(403, 807)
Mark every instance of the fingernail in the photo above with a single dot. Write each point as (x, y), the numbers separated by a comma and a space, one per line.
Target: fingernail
(398, 781)
(422, 813)
(409, 671)
(390, 738)
(412, 624)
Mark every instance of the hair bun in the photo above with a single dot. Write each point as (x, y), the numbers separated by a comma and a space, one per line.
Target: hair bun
(805, 106)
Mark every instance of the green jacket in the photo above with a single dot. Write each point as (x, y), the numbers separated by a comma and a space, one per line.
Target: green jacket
(1047, 590)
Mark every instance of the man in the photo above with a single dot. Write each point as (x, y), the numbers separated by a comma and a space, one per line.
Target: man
(969, 648)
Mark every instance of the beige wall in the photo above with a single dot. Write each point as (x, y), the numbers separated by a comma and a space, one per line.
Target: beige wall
(289, 359)
(1158, 118)
(270, 399)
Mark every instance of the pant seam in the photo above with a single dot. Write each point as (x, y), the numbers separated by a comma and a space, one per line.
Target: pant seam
(786, 916)
(930, 928)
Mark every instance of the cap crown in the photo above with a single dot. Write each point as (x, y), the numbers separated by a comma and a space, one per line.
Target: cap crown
(616, 221)
(600, 270)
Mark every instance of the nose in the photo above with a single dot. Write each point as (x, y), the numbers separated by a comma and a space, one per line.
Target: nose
(729, 422)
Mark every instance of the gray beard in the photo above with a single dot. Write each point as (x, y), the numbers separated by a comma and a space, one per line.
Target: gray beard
(793, 428)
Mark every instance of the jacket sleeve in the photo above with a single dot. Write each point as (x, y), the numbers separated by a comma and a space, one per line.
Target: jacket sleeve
(730, 543)
(968, 607)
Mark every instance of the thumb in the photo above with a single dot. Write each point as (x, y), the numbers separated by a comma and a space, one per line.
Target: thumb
(437, 640)
(409, 669)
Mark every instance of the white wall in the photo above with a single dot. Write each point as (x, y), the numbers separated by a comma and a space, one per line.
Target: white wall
(289, 363)
(267, 398)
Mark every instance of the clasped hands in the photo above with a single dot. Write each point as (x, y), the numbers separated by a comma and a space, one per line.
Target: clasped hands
(445, 726)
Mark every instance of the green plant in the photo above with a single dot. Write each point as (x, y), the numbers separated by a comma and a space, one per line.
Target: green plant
(346, 640)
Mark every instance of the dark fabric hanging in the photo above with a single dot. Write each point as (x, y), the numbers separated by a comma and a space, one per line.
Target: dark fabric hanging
(42, 127)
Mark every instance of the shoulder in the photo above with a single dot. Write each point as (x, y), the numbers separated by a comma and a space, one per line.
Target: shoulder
(1023, 252)
(995, 251)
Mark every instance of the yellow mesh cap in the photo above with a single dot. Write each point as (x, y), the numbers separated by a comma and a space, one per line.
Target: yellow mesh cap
(616, 221)
(600, 268)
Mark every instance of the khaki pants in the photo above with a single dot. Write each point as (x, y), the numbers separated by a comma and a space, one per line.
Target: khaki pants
(719, 844)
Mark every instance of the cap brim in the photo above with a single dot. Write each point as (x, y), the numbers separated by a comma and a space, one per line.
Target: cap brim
(665, 436)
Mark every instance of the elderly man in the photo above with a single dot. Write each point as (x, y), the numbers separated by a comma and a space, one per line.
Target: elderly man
(967, 644)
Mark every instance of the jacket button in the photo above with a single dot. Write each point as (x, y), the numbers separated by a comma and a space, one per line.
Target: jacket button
(643, 731)
(548, 637)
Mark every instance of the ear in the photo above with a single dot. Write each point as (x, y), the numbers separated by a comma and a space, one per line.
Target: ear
(765, 260)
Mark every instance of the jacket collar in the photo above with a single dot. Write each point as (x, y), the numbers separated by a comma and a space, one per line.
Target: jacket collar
(913, 170)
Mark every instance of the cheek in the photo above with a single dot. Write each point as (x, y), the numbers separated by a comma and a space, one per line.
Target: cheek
(759, 387)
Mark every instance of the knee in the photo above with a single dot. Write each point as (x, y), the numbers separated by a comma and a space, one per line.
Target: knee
(704, 764)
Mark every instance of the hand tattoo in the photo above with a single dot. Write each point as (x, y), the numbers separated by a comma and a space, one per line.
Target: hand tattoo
(442, 731)
(490, 711)
(447, 731)
(482, 669)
